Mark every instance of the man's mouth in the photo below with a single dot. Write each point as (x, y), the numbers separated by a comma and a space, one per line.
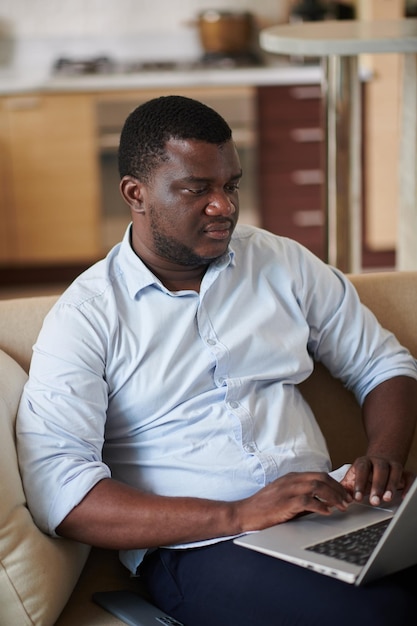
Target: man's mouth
(220, 230)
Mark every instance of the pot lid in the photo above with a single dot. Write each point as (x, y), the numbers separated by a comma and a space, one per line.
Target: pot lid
(214, 15)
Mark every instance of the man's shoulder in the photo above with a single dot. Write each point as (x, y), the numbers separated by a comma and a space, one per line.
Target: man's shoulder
(248, 236)
(92, 286)
(286, 258)
(248, 231)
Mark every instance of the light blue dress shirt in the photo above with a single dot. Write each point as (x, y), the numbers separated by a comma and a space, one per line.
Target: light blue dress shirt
(191, 394)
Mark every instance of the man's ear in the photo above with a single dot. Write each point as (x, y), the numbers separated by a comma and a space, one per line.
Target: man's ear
(132, 193)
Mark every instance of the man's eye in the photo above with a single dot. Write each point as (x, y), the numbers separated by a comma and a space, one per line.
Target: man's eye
(196, 192)
(233, 187)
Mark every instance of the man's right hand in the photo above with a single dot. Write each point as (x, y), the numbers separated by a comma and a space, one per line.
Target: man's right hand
(290, 495)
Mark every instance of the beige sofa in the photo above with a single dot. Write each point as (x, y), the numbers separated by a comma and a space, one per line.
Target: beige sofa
(38, 575)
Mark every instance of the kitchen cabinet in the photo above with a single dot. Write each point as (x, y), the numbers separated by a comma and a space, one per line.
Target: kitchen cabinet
(291, 170)
(54, 190)
(291, 176)
(49, 201)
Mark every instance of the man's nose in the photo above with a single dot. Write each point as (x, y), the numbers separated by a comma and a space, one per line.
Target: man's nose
(220, 204)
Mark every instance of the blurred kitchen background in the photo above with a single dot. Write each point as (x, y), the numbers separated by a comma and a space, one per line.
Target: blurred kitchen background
(70, 72)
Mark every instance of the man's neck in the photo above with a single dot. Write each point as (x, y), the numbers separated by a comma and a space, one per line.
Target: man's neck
(183, 279)
(177, 278)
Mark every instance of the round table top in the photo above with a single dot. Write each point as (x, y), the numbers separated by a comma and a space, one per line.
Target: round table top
(344, 38)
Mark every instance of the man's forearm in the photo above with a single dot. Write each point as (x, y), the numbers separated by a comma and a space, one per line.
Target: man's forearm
(114, 515)
(390, 415)
(117, 516)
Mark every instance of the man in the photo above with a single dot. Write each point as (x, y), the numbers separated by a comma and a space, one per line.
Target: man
(162, 415)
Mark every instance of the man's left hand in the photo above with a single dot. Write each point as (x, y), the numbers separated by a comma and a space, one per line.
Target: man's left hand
(378, 477)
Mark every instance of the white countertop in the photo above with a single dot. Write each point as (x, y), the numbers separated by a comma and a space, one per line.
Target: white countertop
(282, 72)
(341, 37)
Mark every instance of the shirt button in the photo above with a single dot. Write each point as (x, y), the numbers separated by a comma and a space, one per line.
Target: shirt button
(250, 448)
(211, 342)
(233, 404)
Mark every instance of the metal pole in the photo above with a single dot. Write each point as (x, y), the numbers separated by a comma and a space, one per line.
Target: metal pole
(343, 198)
(407, 219)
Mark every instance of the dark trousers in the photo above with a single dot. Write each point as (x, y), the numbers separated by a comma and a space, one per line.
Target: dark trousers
(227, 585)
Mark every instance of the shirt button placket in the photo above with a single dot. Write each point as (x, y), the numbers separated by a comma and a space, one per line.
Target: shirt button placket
(250, 448)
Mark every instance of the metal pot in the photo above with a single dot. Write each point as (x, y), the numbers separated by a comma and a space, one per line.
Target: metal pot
(225, 31)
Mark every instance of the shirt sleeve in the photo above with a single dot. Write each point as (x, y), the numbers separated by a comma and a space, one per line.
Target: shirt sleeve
(62, 414)
(346, 336)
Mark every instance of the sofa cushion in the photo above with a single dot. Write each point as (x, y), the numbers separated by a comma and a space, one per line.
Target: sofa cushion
(37, 573)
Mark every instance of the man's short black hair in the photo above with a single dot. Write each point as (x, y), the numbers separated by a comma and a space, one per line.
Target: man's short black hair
(152, 124)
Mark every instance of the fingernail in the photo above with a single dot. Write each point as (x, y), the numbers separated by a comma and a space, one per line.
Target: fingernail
(387, 495)
(358, 495)
(374, 500)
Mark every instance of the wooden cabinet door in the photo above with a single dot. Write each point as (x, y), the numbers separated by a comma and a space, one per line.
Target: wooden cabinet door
(6, 213)
(52, 172)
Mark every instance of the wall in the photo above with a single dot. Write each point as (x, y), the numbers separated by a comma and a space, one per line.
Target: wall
(55, 18)
(33, 33)
(382, 132)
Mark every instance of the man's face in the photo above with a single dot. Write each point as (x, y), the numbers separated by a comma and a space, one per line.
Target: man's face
(188, 210)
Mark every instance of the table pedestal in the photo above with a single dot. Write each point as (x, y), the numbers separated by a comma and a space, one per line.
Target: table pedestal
(343, 198)
(407, 219)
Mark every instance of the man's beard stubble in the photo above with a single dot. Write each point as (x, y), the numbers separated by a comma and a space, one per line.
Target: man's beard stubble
(173, 250)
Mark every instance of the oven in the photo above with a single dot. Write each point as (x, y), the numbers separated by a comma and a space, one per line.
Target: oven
(236, 104)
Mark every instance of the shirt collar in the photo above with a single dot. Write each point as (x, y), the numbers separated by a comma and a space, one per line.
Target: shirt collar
(138, 276)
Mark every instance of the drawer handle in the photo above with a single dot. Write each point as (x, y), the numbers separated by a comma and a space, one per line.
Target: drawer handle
(307, 219)
(306, 92)
(308, 177)
(307, 135)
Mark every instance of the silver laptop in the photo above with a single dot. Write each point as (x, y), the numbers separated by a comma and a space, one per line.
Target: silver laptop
(133, 609)
(326, 544)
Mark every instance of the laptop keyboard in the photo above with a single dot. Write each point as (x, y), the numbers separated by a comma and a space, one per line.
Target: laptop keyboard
(354, 547)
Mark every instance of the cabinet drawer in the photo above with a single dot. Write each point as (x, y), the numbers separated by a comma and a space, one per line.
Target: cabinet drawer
(284, 156)
(309, 236)
(301, 135)
(289, 202)
(290, 103)
(297, 183)
(296, 215)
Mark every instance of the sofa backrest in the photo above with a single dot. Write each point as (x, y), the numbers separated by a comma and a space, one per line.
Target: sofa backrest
(392, 296)
(20, 322)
